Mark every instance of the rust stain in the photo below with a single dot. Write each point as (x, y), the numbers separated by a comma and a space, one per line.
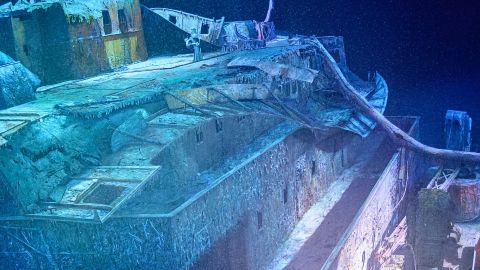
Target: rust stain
(86, 51)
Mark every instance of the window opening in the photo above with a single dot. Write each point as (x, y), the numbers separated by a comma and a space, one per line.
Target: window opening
(107, 22)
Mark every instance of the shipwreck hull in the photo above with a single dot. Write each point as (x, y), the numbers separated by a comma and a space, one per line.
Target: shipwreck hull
(230, 151)
(383, 209)
(256, 204)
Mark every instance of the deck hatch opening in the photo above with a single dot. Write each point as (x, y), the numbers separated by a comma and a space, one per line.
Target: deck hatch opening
(104, 194)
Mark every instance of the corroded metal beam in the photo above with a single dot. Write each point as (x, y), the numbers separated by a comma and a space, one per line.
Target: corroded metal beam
(400, 137)
(188, 103)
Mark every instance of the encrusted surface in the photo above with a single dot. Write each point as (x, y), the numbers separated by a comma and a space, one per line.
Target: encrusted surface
(221, 139)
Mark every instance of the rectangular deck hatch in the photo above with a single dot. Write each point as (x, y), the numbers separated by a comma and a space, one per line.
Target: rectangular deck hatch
(98, 193)
(105, 194)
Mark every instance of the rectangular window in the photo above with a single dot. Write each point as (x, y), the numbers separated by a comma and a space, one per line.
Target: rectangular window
(205, 29)
(122, 20)
(259, 220)
(107, 22)
(199, 135)
(25, 49)
(172, 19)
(285, 195)
(218, 126)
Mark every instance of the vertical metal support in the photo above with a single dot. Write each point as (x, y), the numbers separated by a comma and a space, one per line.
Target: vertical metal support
(194, 42)
(458, 127)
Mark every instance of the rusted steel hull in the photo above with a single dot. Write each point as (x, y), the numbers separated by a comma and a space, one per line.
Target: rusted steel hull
(57, 45)
(370, 207)
(217, 139)
(383, 210)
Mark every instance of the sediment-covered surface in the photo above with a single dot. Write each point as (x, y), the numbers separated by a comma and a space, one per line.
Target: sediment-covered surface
(17, 83)
(163, 167)
(315, 252)
(366, 202)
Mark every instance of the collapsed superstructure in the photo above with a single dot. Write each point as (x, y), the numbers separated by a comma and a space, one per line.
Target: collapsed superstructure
(170, 164)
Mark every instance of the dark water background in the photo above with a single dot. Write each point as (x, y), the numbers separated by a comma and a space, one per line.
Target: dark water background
(428, 51)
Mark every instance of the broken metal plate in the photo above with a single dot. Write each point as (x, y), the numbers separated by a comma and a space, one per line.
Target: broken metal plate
(276, 69)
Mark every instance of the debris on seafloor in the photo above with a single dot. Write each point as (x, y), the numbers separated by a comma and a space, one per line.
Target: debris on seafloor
(447, 210)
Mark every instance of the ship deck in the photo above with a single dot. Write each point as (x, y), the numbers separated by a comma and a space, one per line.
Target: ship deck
(192, 170)
(117, 84)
